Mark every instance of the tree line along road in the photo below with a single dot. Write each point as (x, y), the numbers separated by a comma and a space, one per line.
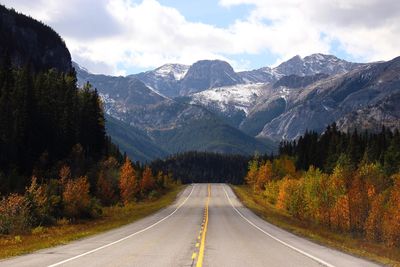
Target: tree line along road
(206, 226)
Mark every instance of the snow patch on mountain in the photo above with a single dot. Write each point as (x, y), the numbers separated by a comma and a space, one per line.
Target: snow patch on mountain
(177, 71)
(241, 97)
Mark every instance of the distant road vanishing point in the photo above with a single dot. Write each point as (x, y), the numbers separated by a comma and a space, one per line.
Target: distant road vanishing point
(206, 226)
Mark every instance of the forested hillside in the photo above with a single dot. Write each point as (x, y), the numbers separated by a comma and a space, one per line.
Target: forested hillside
(324, 150)
(27, 40)
(56, 161)
(44, 119)
(345, 182)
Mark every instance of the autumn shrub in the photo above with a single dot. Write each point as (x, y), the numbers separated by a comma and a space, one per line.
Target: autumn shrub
(373, 224)
(271, 192)
(281, 201)
(391, 218)
(282, 167)
(363, 201)
(128, 184)
(14, 214)
(76, 198)
(358, 204)
(339, 202)
(313, 193)
(264, 175)
(340, 214)
(251, 177)
(295, 200)
(37, 198)
(147, 183)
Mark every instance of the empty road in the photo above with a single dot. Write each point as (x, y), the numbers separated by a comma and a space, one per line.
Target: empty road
(206, 226)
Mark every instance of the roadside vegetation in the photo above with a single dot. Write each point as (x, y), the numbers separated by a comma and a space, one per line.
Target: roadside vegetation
(64, 231)
(61, 177)
(352, 204)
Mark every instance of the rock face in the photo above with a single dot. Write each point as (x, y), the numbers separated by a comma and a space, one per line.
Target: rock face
(119, 94)
(208, 101)
(162, 125)
(173, 80)
(313, 64)
(207, 74)
(339, 98)
(308, 66)
(294, 81)
(27, 41)
(385, 112)
(164, 79)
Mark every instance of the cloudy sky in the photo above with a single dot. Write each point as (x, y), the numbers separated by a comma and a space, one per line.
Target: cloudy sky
(129, 36)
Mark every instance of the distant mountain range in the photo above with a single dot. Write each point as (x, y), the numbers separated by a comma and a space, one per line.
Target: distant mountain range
(209, 107)
(204, 105)
(138, 115)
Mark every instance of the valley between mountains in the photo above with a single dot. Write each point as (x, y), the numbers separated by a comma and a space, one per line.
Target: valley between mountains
(160, 111)
(194, 165)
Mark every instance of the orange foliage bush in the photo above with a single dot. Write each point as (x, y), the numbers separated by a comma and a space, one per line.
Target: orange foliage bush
(340, 218)
(358, 204)
(76, 198)
(362, 201)
(14, 215)
(105, 191)
(252, 173)
(147, 183)
(373, 224)
(264, 175)
(284, 185)
(391, 218)
(37, 197)
(127, 182)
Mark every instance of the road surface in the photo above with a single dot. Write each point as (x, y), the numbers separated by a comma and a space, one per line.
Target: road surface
(206, 226)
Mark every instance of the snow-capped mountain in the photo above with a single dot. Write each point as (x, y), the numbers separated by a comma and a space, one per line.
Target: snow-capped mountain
(313, 64)
(239, 97)
(206, 74)
(174, 80)
(119, 93)
(175, 71)
(230, 102)
(337, 97)
(210, 98)
(307, 66)
(164, 79)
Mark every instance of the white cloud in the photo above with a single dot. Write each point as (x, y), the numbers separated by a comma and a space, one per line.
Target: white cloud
(111, 36)
(366, 29)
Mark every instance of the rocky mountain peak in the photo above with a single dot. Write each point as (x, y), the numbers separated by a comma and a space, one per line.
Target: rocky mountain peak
(206, 74)
(313, 64)
(174, 71)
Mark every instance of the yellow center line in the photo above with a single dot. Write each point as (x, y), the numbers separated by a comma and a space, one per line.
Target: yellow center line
(203, 237)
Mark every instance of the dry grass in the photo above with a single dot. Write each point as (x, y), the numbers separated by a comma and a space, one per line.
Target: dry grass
(342, 241)
(44, 237)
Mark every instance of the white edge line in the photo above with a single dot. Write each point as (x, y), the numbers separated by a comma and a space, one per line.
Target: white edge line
(277, 239)
(122, 239)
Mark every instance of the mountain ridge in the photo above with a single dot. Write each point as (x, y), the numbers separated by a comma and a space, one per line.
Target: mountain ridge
(291, 99)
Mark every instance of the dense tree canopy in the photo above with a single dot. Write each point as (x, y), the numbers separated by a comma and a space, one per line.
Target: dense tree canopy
(202, 167)
(324, 150)
(43, 116)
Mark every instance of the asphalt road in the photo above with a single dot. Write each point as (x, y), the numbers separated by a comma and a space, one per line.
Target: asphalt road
(206, 226)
